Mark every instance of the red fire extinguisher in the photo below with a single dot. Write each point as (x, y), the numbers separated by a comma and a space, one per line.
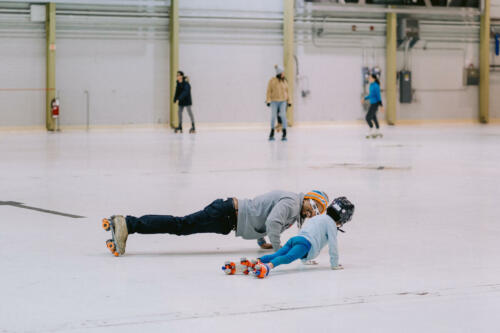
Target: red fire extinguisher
(55, 108)
(55, 113)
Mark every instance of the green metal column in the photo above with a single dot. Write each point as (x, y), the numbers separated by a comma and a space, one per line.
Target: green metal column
(484, 65)
(50, 31)
(174, 59)
(288, 51)
(390, 69)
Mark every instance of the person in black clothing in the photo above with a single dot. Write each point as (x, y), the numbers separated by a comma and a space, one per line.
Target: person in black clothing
(183, 95)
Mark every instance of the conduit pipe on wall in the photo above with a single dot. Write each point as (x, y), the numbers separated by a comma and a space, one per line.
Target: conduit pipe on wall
(139, 25)
(330, 9)
(390, 69)
(130, 3)
(288, 53)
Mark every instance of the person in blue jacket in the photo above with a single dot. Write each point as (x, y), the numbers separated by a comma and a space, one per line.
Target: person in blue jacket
(314, 235)
(183, 95)
(375, 101)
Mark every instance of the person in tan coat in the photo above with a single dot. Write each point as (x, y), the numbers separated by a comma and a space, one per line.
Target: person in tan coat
(278, 99)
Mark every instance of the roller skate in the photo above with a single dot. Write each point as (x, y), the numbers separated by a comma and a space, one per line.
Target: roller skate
(283, 138)
(271, 135)
(178, 129)
(119, 234)
(370, 134)
(245, 266)
(261, 270)
(377, 134)
(192, 130)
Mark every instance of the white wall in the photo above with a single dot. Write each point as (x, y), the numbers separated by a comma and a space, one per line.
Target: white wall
(229, 67)
(254, 5)
(229, 81)
(437, 77)
(495, 76)
(495, 95)
(334, 76)
(128, 82)
(335, 83)
(22, 73)
(495, 9)
(127, 79)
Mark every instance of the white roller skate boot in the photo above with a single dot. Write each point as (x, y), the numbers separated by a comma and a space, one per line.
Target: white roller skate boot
(370, 133)
(377, 134)
(119, 233)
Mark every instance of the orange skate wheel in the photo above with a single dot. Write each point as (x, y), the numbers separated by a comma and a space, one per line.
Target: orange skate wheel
(105, 224)
(233, 268)
(111, 245)
(116, 254)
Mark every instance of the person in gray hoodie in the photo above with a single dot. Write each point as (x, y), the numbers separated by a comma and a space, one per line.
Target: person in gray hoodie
(267, 214)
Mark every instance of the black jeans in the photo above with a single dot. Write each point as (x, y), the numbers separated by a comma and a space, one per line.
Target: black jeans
(218, 217)
(372, 115)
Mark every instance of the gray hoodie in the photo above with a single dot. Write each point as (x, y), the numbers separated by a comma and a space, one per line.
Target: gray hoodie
(268, 214)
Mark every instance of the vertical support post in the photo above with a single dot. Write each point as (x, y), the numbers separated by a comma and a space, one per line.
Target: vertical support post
(174, 58)
(50, 32)
(484, 64)
(288, 52)
(390, 69)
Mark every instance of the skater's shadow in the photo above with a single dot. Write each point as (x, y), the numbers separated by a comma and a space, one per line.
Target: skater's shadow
(229, 252)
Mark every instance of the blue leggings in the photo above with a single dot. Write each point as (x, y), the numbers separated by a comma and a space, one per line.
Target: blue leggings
(296, 248)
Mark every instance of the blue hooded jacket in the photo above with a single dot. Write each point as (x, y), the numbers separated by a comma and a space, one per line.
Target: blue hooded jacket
(374, 95)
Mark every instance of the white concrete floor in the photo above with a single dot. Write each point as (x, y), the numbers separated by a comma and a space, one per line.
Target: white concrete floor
(421, 254)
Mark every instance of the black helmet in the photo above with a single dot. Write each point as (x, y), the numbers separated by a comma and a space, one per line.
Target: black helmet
(340, 210)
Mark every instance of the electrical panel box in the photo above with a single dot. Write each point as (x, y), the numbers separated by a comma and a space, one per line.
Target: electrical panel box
(471, 76)
(405, 93)
(365, 73)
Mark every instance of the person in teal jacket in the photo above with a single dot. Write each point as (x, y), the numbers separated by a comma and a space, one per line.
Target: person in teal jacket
(375, 101)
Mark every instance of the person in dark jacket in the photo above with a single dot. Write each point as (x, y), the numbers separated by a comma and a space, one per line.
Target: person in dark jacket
(183, 95)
